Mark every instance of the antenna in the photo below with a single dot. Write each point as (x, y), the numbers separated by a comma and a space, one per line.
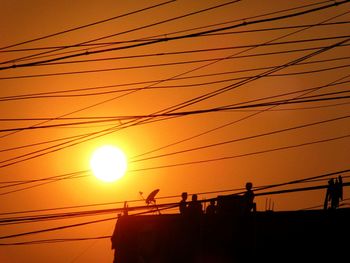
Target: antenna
(151, 199)
(141, 194)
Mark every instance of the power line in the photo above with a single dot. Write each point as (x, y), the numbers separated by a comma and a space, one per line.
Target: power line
(121, 117)
(165, 64)
(210, 26)
(245, 154)
(185, 113)
(110, 130)
(50, 241)
(160, 207)
(245, 23)
(176, 107)
(85, 26)
(195, 50)
(60, 94)
(243, 19)
(100, 211)
(201, 66)
(136, 29)
(244, 138)
(74, 175)
(336, 82)
(169, 115)
(208, 35)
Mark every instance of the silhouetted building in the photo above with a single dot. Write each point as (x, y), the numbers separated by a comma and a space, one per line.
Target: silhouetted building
(232, 235)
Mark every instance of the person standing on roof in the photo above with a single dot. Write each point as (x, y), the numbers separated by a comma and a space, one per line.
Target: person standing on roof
(195, 207)
(211, 209)
(249, 197)
(183, 203)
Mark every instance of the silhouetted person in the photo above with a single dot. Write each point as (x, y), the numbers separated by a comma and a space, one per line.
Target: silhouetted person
(249, 197)
(211, 209)
(338, 189)
(332, 194)
(195, 207)
(183, 203)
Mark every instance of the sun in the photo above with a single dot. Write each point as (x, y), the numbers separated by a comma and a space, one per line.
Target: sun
(108, 163)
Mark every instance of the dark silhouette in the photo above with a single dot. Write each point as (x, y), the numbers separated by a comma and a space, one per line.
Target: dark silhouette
(340, 187)
(333, 193)
(183, 203)
(249, 197)
(211, 209)
(126, 208)
(195, 207)
(151, 197)
(231, 236)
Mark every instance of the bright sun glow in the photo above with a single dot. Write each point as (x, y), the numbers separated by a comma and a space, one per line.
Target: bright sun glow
(108, 163)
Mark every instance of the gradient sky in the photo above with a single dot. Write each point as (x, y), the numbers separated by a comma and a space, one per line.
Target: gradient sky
(110, 74)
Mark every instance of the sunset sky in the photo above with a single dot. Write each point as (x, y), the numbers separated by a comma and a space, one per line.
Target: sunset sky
(202, 96)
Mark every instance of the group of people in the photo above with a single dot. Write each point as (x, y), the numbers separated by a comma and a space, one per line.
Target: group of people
(334, 193)
(192, 208)
(195, 207)
(333, 196)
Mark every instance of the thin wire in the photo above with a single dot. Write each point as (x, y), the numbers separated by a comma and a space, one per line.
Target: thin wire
(243, 155)
(44, 95)
(85, 26)
(65, 73)
(208, 35)
(225, 23)
(243, 138)
(186, 113)
(181, 105)
(194, 51)
(91, 212)
(134, 29)
(245, 23)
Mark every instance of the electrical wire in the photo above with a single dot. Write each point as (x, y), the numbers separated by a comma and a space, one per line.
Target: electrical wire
(214, 25)
(39, 218)
(243, 138)
(77, 174)
(208, 35)
(327, 20)
(336, 82)
(160, 207)
(167, 63)
(230, 157)
(136, 29)
(44, 95)
(245, 23)
(194, 51)
(85, 26)
(184, 104)
(186, 113)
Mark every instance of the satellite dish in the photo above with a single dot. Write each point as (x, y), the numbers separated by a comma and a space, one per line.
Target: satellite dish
(150, 198)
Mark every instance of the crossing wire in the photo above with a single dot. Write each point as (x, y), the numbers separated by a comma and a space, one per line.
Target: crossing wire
(166, 39)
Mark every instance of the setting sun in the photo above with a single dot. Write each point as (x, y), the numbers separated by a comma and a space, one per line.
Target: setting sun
(108, 163)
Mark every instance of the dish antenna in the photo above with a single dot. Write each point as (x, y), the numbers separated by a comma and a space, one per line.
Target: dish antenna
(151, 198)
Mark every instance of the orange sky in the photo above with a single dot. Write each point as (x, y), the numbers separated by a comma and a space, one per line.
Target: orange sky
(104, 86)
